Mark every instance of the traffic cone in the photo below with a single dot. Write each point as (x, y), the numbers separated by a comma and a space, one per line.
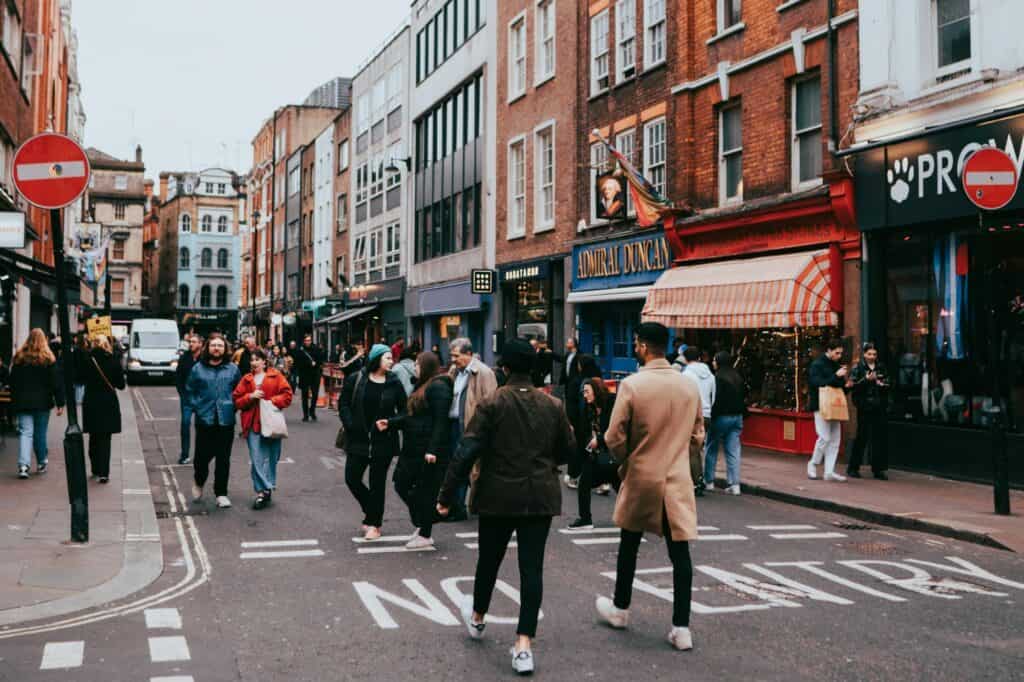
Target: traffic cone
(322, 398)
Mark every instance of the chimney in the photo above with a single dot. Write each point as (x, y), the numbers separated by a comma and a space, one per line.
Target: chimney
(138, 153)
(163, 187)
(147, 187)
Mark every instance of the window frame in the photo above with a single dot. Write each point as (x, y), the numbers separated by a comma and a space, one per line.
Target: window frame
(631, 157)
(184, 296)
(184, 258)
(393, 245)
(725, 154)
(117, 244)
(206, 223)
(720, 11)
(595, 56)
(648, 166)
(597, 167)
(226, 259)
(796, 182)
(651, 28)
(206, 258)
(514, 230)
(342, 213)
(206, 296)
(942, 72)
(217, 297)
(186, 223)
(549, 9)
(222, 224)
(621, 38)
(541, 223)
(343, 159)
(517, 57)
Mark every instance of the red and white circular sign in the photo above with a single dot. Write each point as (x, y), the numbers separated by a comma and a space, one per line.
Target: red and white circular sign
(990, 178)
(50, 170)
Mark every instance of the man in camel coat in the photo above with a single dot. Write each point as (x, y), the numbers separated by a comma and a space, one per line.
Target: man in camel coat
(656, 422)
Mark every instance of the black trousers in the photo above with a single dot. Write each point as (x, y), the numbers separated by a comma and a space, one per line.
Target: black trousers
(213, 444)
(310, 392)
(371, 500)
(586, 484)
(682, 572)
(870, 432)
(418, 484)
(531, 537)
(99, 454)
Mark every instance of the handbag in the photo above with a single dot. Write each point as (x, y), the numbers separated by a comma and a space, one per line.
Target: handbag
(606, 469)
(340, 440)
(832, 404)
(104, 376)
(272, 422)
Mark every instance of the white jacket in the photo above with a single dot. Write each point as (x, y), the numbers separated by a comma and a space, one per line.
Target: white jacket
(701, 375)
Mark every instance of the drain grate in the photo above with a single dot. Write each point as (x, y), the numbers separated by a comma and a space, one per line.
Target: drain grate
(872, 548)
(850, 525)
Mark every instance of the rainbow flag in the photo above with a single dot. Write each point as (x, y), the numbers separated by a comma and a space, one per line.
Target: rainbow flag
(646, 200)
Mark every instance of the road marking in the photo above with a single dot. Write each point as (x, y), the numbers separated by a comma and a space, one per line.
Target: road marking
(798, 526)
(137, 491)
(450, 587)
(475, 545)
(815, 568)
(279, 543)
(173, 678)
(394, 550)
(383, 538)
(295, 554)
(805, 590)
(724, 536)
(970, 570)
(599, 541)
(429, 606)
(60, 655)
(166, 649)
(329, 462)
(287, 460)
(163, 618)
(588, 531)
(147, 414)
(466, 535)
(807, 536)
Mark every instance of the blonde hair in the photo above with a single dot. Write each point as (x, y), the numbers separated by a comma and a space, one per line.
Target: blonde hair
(35, 350)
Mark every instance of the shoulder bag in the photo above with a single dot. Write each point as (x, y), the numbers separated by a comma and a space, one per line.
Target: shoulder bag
(103, 376)
(832, 404)
(272, 422)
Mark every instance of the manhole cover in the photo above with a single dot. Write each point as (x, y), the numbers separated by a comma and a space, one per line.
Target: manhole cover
(849, 525)
(874, 548)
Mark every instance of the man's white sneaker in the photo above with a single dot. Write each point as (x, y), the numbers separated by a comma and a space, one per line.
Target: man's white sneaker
(419, 542)
(476, 630)
(522, 661)
(733, 490)
(223, 502)
(835, 477)
(197, 492)
(573, 483)
(611, 614)
(680, 638)
(812, 472)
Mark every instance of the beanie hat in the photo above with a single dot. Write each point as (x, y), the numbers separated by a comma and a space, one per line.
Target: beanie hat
(518, 355)
(378, 350)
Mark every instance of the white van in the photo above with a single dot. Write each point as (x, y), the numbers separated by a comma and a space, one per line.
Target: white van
(152, 350)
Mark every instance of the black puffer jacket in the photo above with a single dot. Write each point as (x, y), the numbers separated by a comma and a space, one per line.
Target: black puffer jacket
(821, 373)
(361, 442)
(428, 430)
(101, 409)
(35, 387)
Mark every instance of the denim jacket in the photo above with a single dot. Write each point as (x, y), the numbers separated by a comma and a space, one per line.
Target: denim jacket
(209, 390)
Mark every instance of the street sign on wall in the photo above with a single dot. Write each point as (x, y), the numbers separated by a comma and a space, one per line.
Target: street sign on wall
(50, 170)
(12, 230)
(990, 178)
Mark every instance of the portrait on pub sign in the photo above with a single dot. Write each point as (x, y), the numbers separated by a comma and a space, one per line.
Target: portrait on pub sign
(611, 196)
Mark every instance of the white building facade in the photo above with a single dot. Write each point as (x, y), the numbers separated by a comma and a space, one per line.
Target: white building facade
(323, 215)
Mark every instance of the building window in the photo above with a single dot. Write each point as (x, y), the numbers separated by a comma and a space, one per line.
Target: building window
(598, 166)
(395, 155)
(953, 35)
(363, 114)
(544, 164)
(294, 181)
(517, 57)
(186, 223)
(376, 259)
(222, 296)
(359, 259)
(342, 212)
(221, 188)
(11, 36)
(222, 259)
(394, 87)
(119, 210)
(118, 250)
(206, 258)
(729, 13)
(393, 249)
(121, 182)
(807, 132)
(184, 259)
(206, 223)
(222, 223)
(183, 299)
(545, 64)
(379, 99)
(208, 187)
(625, 39)
(654, 32)
(730, 154)
(342, 155)
(599, 53)
(117, 291)
(517, 188)
(339, 267)
(625, 143)
(204, 296)
(654, 154)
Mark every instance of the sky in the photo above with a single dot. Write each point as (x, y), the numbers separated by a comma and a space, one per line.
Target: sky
(186, 80)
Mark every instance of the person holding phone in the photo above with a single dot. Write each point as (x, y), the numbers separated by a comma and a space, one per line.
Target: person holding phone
(826, 371)
(870, 389)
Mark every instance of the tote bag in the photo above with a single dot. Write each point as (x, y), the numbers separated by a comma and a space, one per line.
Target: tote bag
(272, 423)
(832, 404)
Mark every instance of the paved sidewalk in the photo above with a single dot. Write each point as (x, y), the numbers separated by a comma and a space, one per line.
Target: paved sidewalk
(43, 576)
(907, 500)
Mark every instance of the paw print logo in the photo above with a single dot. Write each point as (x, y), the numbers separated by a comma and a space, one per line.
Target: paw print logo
(900, 176)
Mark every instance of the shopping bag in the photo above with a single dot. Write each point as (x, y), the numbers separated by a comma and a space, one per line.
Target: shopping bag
(832, 404)
(272, 422)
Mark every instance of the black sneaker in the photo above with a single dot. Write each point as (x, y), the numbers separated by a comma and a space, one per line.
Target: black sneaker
(305, 419)
(41, 468)
(581, 524)
(183, 459)
(698, 490)
(104, 479)
(23, 472)
(260, 502)
(313, 417)
(880, 475)
(853, 473)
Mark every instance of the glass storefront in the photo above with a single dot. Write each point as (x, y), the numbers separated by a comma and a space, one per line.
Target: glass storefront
(532, 304)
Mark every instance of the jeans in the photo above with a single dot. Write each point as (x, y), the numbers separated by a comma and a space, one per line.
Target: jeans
(418, 483)
(827, 447)
(725, 430)
(870, 433)
(310, 393)
(371, 500)
(187, 413)
(682, 572)
(32, 427)
(531, 536)
(99, 454)
(213, 443)
(263, 455)
(459, 503)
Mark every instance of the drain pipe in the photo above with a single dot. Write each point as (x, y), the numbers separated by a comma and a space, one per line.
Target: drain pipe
(833, 97)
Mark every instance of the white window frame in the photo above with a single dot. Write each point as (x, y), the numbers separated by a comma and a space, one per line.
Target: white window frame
(720, 7)
(725, 154)
(655, 23)
(342, 212)
(630, 155)
(517, 57)
(379, 98)
(652, 164)
(375, 255)
(516, 205)
(599, 53)
(797, 134)
(377, 175)
(625, 39)
(362, 183)
(121, 182)
(542, 223)
(359, 261)
(394, 87)
(363, 113)
(395, 154)
(343, 156)
(186, 223)
(11, 38)
(222, 222)
(546, 17)
(206, 223)
(955, 67)
(393, 245)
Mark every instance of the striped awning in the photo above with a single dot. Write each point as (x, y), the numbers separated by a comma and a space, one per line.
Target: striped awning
(791, 290)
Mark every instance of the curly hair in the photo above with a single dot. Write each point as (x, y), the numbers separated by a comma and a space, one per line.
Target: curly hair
(35, 350)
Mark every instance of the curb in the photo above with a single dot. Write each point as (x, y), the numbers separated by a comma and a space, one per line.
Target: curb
(143, 551)
(872, 516)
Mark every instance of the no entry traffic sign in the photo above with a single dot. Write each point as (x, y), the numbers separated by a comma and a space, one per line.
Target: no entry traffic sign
(990, 178)
(50, 170)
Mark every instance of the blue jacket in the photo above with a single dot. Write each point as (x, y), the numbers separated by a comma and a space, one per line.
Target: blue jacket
(209, 389)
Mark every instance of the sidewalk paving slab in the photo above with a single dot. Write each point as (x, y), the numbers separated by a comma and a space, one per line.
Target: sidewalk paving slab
(42, 575)
(908, 500)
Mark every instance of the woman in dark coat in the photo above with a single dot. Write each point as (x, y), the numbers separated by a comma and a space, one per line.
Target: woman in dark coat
(594, 420)
(574, 407)
(426, 446)
(101, 409)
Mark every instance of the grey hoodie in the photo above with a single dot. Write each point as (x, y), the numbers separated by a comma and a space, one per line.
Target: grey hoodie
(405, 370)
(701, 375)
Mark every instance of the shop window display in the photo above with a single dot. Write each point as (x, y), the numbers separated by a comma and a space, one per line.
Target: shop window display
(532, 310)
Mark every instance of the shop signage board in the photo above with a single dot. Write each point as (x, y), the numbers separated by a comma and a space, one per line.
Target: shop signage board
(923, 180)
(12, 230)
(525, 272)
(990, 178)
(99, 326)
(50, 170)
(481, 281)
(627, 261)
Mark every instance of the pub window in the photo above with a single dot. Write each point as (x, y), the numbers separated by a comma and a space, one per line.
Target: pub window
(730, 155)
(806, 105)
(654, 154)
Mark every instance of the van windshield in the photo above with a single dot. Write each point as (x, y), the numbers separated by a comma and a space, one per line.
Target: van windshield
(154, 340)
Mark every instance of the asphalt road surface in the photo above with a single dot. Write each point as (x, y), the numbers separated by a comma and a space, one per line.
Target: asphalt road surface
(780, 593)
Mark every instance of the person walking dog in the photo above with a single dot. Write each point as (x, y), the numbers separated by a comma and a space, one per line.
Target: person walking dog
(262, 384)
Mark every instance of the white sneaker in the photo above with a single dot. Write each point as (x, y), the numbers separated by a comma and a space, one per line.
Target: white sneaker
(522, 661)
(419, 542)
(733, 490)
(680, 638)
(223, 502)
(835, 477)
(573, 483)
(603, 489)
(812, 471)
(611, 614)
(476, 630)
(197, 492)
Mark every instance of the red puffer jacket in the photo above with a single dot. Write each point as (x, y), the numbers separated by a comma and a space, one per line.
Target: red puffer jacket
(275, 389)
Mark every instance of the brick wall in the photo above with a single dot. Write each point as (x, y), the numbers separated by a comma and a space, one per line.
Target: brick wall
(342, 182)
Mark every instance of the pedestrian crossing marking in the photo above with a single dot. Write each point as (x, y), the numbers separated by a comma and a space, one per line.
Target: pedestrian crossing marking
(279, 543)
(807, 536)
(383, 539)
(168, 649)
(394, 550)
(296, 554)
(173, 678)
(62, 655)
(723, 536)
(466, 535)
(476, 545)
(797, 526)
(163, 618)
(587, 531)
(287, 460)
(599, 541)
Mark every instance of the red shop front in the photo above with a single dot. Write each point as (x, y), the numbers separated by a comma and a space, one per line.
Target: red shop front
(765, 282)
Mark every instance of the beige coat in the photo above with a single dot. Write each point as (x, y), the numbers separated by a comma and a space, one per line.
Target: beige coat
(656, 421)
(482, 383)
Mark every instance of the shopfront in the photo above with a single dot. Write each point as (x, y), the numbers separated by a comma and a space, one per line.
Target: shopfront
(610, 282)
(944, 299)
(385, 322)
(440, 314)
(767, 286)
(204, 322)
(532, 300)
